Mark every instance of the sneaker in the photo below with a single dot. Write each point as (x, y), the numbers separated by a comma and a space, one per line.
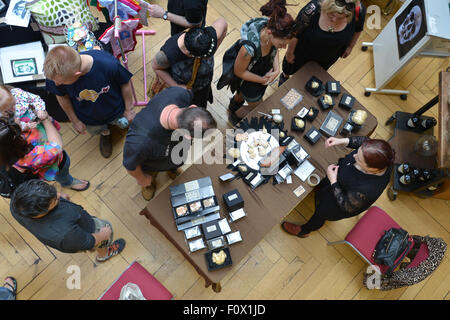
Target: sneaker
(149, 192)
(282, 79)
(113, 250)
(106, 145)
(293, 229)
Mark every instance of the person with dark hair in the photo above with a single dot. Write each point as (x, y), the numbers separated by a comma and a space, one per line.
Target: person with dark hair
(61, 224)
(326, 31)
(38, 151)
(182, 14)
(149, 145)
(258, 65)
(352, 186)
(187, 60)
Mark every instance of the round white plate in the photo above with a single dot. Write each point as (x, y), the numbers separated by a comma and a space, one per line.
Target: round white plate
(252, 137)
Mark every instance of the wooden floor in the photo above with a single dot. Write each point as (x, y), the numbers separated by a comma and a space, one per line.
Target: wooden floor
(280, 266)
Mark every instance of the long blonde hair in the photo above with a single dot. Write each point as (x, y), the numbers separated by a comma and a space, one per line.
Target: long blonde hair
(329, 6)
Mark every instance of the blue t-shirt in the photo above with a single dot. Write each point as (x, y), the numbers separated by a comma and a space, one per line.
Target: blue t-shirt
(96, 96)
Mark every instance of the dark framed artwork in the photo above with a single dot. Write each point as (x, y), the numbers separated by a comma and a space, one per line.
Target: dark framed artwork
(411, 26)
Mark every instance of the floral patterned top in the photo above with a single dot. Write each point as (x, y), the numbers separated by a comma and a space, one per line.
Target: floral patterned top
(25, 103)
(45, 157)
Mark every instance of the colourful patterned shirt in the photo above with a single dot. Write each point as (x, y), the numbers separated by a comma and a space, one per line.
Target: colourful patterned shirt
(25, 103)
(44, 158)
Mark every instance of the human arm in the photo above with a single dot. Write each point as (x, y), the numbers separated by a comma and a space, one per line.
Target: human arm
(157, 11)
(349, 49)
(52, 134)
(127, 94)
(353, 142)
(290, 56)
(161, 65)
(241, 64)
(221, 27)
(66, 105)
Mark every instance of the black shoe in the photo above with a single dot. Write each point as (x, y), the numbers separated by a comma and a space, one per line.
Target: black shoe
(234, 106)
(234, 119)
(106, 145)
(282, 79)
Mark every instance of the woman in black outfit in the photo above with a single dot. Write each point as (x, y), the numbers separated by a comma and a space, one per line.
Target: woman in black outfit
(326, 31)
(352, 186)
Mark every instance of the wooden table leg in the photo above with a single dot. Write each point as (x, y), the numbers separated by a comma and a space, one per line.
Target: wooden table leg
(216, 287)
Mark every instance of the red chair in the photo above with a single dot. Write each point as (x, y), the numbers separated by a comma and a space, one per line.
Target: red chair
(150, 287)
(365, 235)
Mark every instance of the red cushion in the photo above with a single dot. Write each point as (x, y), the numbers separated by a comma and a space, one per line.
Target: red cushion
(421, 255)
(368, 231)
(150, 287)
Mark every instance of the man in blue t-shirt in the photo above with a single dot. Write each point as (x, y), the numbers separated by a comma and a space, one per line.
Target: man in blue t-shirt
(93, 89)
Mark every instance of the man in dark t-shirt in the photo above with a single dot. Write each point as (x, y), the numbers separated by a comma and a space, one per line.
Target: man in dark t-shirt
(182, 14)
(93, 89)
(61, 224)
(153, 141)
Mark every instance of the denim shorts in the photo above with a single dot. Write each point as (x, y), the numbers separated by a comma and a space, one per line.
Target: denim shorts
(121, 122)
(99, 223)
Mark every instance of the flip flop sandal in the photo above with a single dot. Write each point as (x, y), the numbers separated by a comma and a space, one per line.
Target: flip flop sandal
(77, 181)
(13, 288)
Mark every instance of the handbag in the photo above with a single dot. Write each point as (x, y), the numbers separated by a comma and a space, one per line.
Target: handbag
(392, 248)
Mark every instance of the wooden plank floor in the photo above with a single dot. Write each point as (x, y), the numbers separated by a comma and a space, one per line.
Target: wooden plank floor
(280, 266)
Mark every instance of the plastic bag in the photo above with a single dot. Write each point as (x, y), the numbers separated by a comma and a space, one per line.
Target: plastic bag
(131, 291)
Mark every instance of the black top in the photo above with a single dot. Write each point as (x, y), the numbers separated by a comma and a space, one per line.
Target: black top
(322, 46)
(67, 228)
(354, 192)
(147, 142)
(193, 10)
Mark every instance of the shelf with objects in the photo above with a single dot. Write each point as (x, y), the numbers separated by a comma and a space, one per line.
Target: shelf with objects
(422, 160)
(420, 28)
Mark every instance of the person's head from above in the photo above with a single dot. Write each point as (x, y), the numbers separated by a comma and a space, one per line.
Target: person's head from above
(62, 65)
(280, 26)
(7, 101)
(12, 145)
(195, 120)
(374, 156)
(34, 199)
(199, 42)
(339, 10)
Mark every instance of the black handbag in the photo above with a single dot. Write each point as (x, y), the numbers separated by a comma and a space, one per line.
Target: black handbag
(392, 248)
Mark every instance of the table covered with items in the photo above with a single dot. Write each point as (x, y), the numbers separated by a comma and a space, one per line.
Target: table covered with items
(215, 214)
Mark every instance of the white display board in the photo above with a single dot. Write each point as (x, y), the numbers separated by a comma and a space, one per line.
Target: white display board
(420, 27)
(23, 62)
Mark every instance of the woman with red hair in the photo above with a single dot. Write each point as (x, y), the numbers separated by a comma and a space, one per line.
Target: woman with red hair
(352, 185)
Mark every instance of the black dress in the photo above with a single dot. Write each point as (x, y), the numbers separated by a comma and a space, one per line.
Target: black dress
(353, 193)
(315, 44)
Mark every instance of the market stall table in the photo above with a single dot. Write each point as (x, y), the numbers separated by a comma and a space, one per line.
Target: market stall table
(267, 205)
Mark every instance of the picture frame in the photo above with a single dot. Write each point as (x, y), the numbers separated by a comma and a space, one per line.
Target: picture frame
(24, 67)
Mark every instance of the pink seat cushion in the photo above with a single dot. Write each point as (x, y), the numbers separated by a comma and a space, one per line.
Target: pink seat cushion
(150, 287)
(367, 232)
(421, 255)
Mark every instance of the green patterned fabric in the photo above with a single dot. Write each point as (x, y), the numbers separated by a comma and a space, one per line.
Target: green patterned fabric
(250, 31)
(53, 15)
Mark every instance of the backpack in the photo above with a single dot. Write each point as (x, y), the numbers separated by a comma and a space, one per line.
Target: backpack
(392, 248)
(199, 77)
(11, 179)
(228, 77)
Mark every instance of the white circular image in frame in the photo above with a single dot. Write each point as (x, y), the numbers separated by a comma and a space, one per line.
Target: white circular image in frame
(410, 27)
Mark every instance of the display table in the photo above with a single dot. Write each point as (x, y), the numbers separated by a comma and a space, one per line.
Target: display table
(267, 205)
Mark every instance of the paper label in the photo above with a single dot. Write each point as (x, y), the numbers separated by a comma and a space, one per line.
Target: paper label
(193, 195)
(313, 134)
(232, 197)
(348, 100)
(211, 228)
(333, 86)
(332, 124)
(299, 191)
(192, 185)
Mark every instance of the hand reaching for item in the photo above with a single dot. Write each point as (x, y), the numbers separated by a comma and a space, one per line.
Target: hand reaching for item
(332, 173)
